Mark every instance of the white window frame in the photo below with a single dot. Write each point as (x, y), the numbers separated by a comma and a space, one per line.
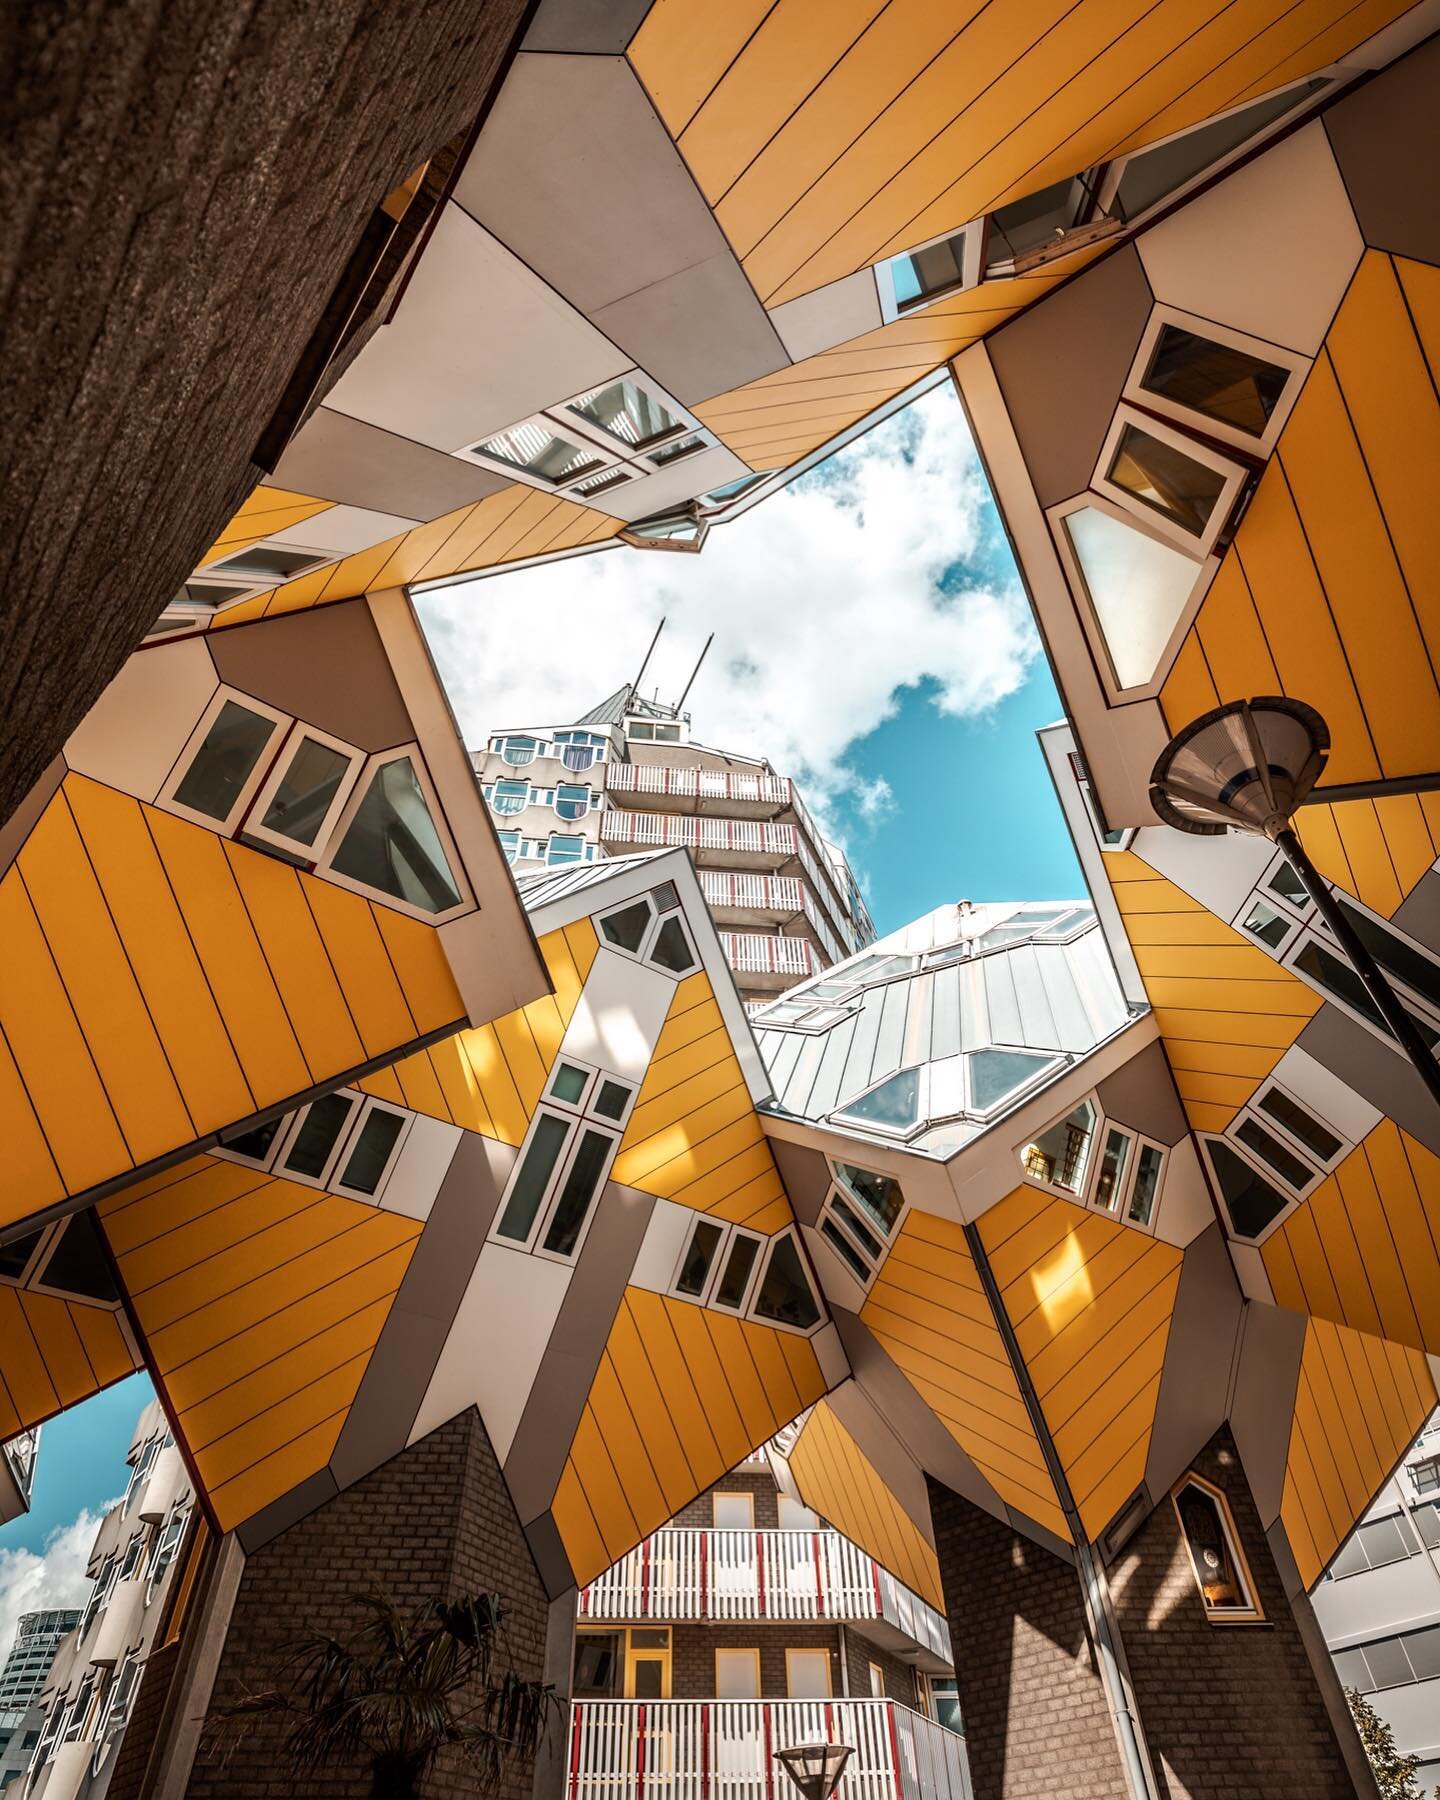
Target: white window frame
(1235, 474)
(170, 1536)
(250, 824)
(1320, 1168)
(1254, 1612)
(35, 1260)
(553, 427)
(641, 460)
(1124, 835)
(1086, 1194)
(841, 1188)
(652, 931)
(568, 862)
(329, 1177)
(499, 748)
(757, 1282)
(1146, 400)
(1326, 1165)
(359, 788)
(901, 1134)
(133, 1665)
(971, 274)
(492, 794)
(1206, 569)
(232, 564)
(591, 801)
(579, 1117)
(181, 766)
(1016, 1096)
(729, 1235)
(39, 1263)
(1287, 1194)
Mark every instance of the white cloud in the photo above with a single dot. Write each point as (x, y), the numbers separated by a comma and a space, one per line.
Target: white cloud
(873, 799)
(32, 1581)
(826, 602)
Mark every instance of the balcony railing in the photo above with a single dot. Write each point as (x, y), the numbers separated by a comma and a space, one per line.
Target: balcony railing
(755, 893)
(754, 955)
(685, 1573)
(725, 1749)
(701, 784)
(751, 837)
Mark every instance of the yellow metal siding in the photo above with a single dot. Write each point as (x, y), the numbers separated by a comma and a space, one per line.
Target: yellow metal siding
(53, 1354)
(268, 510)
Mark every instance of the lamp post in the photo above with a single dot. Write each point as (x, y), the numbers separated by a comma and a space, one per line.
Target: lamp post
(1247, 767)
(815, 1768)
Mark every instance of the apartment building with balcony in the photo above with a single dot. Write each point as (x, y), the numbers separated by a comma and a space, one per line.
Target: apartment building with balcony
(746, 1625)
(22, 1682)
(627, 777)
(90, 1693)
(1379, 1605)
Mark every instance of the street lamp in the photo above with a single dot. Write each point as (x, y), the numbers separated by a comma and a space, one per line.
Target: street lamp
(1248, 766)
(815, 1768)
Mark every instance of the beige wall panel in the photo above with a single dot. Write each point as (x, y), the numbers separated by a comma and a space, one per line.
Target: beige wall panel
(131, 736)
(348, 461)
(831, 315)
(664, 1242)
(621, 1011)
(344, 530)
(1267, 251)
(424, 1161)
(693, 475)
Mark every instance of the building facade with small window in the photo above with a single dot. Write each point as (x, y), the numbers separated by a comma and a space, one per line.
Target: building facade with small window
(92, 1685)
(38, 1635)
(628, 777)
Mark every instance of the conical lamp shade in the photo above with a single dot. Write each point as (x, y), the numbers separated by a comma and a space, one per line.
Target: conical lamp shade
(1245, 766)
(815, 1768)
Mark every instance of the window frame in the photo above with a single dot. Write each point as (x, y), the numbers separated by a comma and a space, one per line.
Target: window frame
(168, 1537)
(840, 1188)
(729, 1234)
(522, 799)
(250, 824)
(638, 457)
(1236, 474)
(1173, 412)
(794, 1650)
(232, 564)
(757, 1283)
(1206, 569)
(323, 863)
(750, 1650)
(1086, 1195)
(972, 271)
(1254, 1614)
(328, 1180)
(192, 746)
(562, 430)
(733, 1494)
(658, 920)
(578, 1118)
(847, 1119)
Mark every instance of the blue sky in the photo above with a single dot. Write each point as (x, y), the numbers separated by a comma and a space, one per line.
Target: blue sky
(871, 639)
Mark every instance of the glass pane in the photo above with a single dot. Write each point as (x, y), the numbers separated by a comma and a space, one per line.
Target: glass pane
(1340, 979)
(1034, 221)
(1423, 1649)
(880, 1195)
(550, 1137)
(1147, 1182)
(738, 1265)
(672, 951)
(1383, 1542)
(367, 1161)
(15, 1254)
(1288, 885)
(847, 1252)
(392, 845)
(1389, 1665)
(784, 1292)
(577, 756)
(1253, 1203)
(1216, 380)
(510, 796)
(1112, 1168)
(275, 563)
(572, 802)
(1216, 1570)
(1428, 1519)
(1351, 1560)
(1061, 1155)
(1394, 955)
(924, 273)
(578, 1193)
(1165, 479)
(1299, 1124)
(895, 1103)
(319, 1134)
(995, 1073)
(704, 1242)
(517, 751)
(1289, 1168)
(598, 1660)
(849, 1218)
(627, 927)
(568, 1083)
(1138, 589)
(627, 412)
(563, 850)
(78, 1263)
(1266, 924)
(678, 451)
(1351, 1667)
(612, 1100)
(649, 1681)
(540, 452)
(225, 761)
(306, 790)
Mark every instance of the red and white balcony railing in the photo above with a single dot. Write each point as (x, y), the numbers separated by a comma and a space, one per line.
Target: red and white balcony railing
(773, 894)
(752, 837)
(791, 957)
(701, 784)
(725, 1749)
(682, 1572)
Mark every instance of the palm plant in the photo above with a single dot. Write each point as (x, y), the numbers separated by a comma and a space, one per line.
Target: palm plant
(399, 1691)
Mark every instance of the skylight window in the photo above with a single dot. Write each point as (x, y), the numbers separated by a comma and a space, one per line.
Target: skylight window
(943, 266)
(628, 412)
(540, 452)
(996, 1073)
(892, 1106)
(1139, 589)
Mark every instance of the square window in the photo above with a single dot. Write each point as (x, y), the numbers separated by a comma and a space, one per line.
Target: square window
(1060, 1157)
(925, 274)
(1223, 383)
(1161, 475)
(303, 795)
(569, 1084)
(734, 1512)
(612, 1100)
(219, 772)
(534, 448)
(373, 1150)
(629, 413)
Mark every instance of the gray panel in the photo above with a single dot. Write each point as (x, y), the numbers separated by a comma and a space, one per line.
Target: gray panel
(1037, 1022)
(311, 1494)
(594, 27)
(862, 1044)
(825, 1094)
(1262, 1407)
(802, 1082)
(562, 1383)
(829, 315)
(1061, 366)
(945, 1017)
(327, 666)
(920, 990)
(1419, 912)
(576, 174)
(1199, 1353)
(1072, 1022)
(806, 1175)
(890, 1043)
(780, 1051)
(1141, 1094)
(1376, 1072)
(1004, 1008)
(335, 457)
(548, 1549)
(1386, 138)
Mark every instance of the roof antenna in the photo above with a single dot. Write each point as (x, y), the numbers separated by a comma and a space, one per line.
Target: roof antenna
(635, 684)
(695, 671)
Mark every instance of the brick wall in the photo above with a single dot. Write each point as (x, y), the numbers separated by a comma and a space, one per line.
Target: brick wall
(901, 1681)
(700, 1513)
(1037, 1726)
(434, 1522)
(693, 1650)
(1228, 1710)
(185, 186)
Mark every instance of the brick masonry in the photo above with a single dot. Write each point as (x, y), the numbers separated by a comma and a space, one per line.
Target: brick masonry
(1232, 1711)
(185, 185)
(1037, 1726)
(699, 1515)
(434, 1522)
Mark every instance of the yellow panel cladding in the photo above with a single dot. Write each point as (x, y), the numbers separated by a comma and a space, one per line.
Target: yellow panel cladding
(268, 510)
(164, 982)
(928, 1311)
(824, 143)
(1091, 1303)
(693, 1136)
(489, 1080)
(838, 1481)
(1358, 1405)
(1331, 591)
(260, 1302)
(53, 1354)
(1361, 1250)
(1226, 1011)
(681, 1395)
